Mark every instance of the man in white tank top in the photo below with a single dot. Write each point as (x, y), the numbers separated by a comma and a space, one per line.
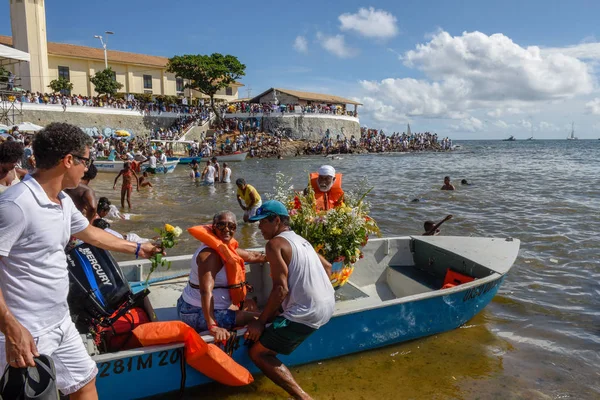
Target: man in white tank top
(301, 286)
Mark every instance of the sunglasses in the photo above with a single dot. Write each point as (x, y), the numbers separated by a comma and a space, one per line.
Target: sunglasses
(85, 160)
(229, 225)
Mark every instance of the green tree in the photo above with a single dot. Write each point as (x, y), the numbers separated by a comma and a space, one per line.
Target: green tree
(105, 83)
(61, 85)
(207, 74)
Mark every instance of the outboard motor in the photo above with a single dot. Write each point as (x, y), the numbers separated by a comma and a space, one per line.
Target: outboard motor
(98, 289)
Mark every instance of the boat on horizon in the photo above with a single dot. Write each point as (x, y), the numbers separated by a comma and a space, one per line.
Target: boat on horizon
(572, 137)
(510, 139)
(394, 295)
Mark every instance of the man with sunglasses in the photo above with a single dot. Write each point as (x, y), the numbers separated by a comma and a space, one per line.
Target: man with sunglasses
(301, 287)
(36, 221)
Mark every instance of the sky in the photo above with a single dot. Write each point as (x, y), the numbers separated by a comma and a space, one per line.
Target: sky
(464, 69)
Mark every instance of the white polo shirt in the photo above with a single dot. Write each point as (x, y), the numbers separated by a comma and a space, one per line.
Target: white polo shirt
(33, 266)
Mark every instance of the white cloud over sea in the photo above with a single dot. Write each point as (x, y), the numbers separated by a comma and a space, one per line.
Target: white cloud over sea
(473, 76)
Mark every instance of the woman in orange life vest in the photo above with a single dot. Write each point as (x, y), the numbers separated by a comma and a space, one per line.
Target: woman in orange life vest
(205, 303)
(327, 186)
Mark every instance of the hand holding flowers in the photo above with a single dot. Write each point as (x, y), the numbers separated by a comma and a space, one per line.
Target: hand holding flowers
(167, 239)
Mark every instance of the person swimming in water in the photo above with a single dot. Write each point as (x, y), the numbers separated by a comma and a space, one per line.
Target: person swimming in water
(127, 187)
(447, 184)
(432, 229)
(465, 182)
(143, 180)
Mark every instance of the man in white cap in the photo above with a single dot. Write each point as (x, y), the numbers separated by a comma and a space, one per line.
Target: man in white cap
(327, 186)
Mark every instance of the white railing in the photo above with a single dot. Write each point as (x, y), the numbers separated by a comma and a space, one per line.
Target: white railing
(290, 115)
(97, 110)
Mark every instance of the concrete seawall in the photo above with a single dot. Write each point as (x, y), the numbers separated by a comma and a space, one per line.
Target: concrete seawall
(89, 117)
(306, 126)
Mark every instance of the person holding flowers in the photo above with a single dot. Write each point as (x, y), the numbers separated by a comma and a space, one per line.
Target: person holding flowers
(205, 303)
(300, 287)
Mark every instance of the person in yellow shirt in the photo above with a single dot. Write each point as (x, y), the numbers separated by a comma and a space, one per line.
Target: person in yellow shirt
(250, 196)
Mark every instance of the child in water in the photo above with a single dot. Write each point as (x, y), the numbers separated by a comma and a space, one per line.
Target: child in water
(127, 187)
(143, 181)
(432, 229)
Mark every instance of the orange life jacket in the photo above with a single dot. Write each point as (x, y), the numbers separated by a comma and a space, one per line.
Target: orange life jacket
(209, 359)
(330, 199)
(234, 264)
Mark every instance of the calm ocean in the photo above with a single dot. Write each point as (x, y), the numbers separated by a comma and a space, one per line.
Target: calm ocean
(538, 339)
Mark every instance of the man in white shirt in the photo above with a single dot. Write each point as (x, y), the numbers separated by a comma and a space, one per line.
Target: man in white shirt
(152, 164)
(226, 173)
(162, 159)
(36, 221)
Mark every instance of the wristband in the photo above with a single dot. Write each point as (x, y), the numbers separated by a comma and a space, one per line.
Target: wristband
(212, 326)
(137, 250)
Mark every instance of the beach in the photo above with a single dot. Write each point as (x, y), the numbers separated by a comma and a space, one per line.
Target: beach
(538, 339)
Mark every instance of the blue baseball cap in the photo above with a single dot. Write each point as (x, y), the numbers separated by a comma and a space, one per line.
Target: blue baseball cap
(269, 208)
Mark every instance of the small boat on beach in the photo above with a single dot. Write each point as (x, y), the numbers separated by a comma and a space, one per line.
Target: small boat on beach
(116, 166)
(395, 294)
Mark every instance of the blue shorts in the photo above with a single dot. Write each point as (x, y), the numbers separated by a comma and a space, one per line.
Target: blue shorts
(194, 317)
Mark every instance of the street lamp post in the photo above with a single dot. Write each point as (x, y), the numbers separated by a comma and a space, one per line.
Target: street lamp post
(104, 43)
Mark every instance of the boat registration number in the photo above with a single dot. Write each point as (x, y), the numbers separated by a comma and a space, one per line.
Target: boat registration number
(146, 361)
(480, 290)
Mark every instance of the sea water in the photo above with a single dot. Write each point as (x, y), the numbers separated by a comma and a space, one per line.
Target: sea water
(540, 336)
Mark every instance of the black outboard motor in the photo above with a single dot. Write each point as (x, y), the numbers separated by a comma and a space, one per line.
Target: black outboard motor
(98, 288)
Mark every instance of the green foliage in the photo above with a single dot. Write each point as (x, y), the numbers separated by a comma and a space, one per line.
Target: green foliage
(60, 85)
(104, 82)
(207, 73)
(3, 74)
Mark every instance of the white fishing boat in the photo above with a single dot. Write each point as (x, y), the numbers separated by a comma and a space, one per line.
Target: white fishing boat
(117, 165)
(396, 293)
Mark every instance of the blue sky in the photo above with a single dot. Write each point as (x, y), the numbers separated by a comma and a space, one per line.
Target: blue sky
(468, 69)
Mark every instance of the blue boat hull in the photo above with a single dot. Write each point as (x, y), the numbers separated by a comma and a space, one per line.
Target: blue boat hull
(160, 371)
(185, 160)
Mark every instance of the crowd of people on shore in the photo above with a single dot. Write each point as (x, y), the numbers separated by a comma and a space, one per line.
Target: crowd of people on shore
(123, 102)
(182, 124)
(376, 141)
(272, 107)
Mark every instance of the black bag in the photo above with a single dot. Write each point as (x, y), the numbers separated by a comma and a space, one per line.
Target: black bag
(31, 383)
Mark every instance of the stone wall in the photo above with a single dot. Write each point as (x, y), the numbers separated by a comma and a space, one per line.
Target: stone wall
(139, 124)
(307, 126)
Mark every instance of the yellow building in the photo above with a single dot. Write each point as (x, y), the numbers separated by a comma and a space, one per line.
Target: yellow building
(139, 73)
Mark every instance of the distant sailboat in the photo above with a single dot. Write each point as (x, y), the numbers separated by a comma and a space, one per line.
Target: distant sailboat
(510, 139)
(572, 137)
(531, 137)
(408, 130)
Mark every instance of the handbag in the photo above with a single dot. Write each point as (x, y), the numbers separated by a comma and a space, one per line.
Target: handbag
(31, 383)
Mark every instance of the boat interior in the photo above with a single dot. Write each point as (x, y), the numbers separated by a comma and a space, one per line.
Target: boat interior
(393, 269)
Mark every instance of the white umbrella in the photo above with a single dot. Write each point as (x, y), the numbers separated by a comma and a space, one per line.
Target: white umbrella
(3, 127)
(29, 127)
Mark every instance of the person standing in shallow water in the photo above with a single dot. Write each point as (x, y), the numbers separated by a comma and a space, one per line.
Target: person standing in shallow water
(301, 288)
(127, 186)
(447, 184)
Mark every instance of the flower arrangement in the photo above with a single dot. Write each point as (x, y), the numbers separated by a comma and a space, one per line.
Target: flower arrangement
(167, 239)
(337, 234)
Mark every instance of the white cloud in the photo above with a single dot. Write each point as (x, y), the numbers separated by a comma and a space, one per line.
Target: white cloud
(500, 124)
(583, 51)
(548, 127)
(370, 23)
(498, 112)
(593, 107)
(336, 45)
(477, 72)
(301, 45)
(470, 124)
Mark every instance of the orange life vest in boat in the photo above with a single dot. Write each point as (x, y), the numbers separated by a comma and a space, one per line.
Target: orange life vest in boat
(233, 263)
(209, 359)
(330, 199)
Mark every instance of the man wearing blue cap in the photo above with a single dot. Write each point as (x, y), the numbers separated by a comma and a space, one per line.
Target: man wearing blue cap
(301, 287)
